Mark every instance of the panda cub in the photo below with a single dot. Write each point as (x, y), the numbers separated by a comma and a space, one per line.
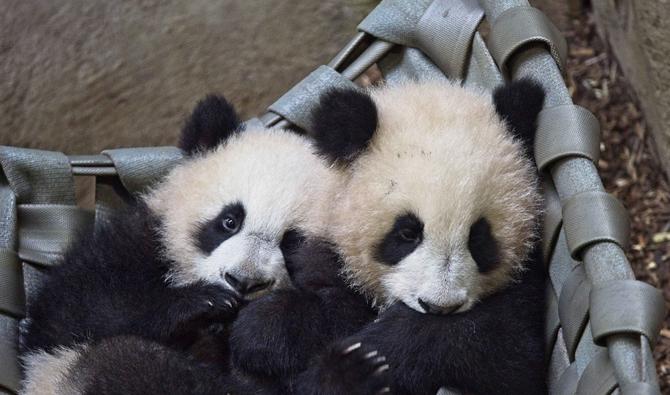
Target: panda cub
(211, 236)
(436, 228)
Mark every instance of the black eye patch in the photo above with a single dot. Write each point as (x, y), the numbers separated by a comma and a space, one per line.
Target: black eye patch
(401, 240)
(483, 246)
(219, 229)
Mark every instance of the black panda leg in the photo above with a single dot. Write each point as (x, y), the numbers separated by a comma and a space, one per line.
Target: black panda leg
(277, 335)
(345, 368)
(497, 347)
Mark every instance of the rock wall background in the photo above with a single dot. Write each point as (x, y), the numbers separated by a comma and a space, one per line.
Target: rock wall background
(637, 32)
(80, 76)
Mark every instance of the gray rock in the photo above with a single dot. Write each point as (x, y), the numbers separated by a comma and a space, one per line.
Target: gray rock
(83, 75)
(638, 35)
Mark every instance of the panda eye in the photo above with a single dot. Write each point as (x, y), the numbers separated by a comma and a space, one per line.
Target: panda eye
(409, 235)
(211, 233)
(230, 224)
(405, 236)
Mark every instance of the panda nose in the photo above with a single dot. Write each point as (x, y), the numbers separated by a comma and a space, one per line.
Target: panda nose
(431, 308)
(245, 285)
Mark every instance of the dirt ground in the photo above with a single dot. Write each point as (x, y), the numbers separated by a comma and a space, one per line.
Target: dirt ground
(629, 164)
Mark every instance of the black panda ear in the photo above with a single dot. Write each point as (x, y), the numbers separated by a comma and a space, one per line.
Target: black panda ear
(213, 120)
(343, 124)
(518, 103)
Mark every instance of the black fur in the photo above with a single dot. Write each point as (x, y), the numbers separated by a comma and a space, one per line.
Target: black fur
(131, 365)
(483, 246)
(344, 123)
(212, 122)
(518, 103)
(401, 240)
(278, 346)
(212, 233)
(113, 283)
(497, 347)
(336, 372)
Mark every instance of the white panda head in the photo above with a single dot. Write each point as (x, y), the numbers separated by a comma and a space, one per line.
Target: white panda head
(441, 203)
(238, 200)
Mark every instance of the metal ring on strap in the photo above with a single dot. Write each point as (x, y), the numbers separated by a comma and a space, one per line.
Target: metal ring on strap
(519, 26)
(598, 377)
(46, 230)
(297, 104)
(563, 131)
(12, 298)
(573, 308)
(592, 217)
(626, 306)
(445, 33)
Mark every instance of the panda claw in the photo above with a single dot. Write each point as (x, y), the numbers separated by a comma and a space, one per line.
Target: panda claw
(382, 369)
(379, 360)
(371, 354)
(384, 390)
(352, 348)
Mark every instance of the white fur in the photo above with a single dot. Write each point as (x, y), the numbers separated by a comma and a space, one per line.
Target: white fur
(47, 373)
(441, 152)
(279, 180)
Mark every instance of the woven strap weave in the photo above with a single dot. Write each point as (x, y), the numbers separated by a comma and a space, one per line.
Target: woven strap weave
(519, 26)
(626, 306)
(564, 131)
(592, 217)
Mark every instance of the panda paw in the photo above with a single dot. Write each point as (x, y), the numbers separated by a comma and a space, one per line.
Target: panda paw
(213, 304)
(353, 368)
(201, 307)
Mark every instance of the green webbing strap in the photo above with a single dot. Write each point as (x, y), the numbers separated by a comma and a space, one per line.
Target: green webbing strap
(598, 378)
(482, 70)
(298, 103)
(442, 29)
(591, 217)
(253, 123)
(139, 168)
(626, 306)
(395, 20)
(552, 218)
(10, 374)
(38, 176)
(409, 63)
(573, 308)
(12, 300)
(445, 33)
(45, 230)
(567, 383)
(638, 389)
(552, 320)
(563, 131)
(519, 26)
